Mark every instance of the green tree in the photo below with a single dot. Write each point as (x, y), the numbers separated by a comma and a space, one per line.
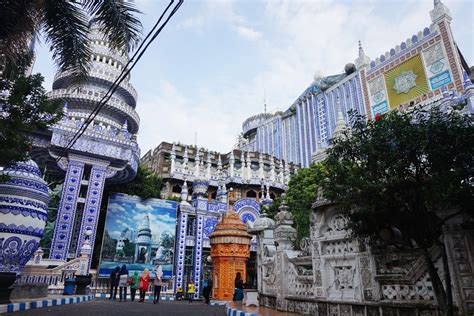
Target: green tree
(167, 242)
(146, 185)
(25, 109)
(129, 249)
(300, 195)
(65, 25)
(406, 168)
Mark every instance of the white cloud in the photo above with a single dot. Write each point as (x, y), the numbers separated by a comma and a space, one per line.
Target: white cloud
(248, 33)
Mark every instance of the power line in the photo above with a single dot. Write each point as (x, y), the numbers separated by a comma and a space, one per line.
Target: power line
(125, 72)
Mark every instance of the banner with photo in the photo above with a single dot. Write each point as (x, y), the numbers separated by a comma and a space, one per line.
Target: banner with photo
(138, 233)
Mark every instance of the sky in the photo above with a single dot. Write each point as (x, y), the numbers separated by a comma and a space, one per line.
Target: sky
(217, 61)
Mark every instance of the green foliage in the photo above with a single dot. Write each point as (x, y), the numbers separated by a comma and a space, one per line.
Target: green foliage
(146, 185)
(300, 195)
(25, 110)
(65, 24)
(129, 249)
(401, 171)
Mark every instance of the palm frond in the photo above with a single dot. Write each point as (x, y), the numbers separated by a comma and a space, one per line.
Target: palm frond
(19, 20)
(117, 20)
(66, 30)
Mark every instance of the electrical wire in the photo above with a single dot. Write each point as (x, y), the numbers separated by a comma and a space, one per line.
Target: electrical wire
(125, 72)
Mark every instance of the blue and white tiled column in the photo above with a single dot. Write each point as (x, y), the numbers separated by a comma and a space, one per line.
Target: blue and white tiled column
(198, 253)
(91, 211)
(67, 211)
(181, 250)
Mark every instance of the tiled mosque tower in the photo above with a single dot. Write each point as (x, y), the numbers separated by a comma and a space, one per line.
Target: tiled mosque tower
(106, 151)
(143, 240)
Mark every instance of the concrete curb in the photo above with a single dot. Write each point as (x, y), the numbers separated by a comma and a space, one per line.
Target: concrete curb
(14, 307)
(231, 311)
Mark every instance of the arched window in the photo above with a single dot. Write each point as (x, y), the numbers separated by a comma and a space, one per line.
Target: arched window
(214, 195)
(272, 195)
(251, 194)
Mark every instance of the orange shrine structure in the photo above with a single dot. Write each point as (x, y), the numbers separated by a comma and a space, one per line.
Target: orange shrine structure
(230, 251)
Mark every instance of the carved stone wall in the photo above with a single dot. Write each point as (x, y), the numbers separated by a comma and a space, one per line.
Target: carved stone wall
(335, 275)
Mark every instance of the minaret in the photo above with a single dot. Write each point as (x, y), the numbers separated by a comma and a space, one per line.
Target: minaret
(185, 160)
(184, 191)
(272, 168)
(197, 165)
(208, 165)
(341, 125)
(260, 166)
(231, 163)
(143, 239)
(362, 60)
(173, 159)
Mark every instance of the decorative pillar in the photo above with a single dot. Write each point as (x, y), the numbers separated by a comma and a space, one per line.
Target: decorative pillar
(198, 253)
(67, 211)
(91, 211)
(260, 166)
(230, 250)
(181, 246)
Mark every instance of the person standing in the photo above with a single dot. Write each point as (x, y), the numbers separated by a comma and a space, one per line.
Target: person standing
(207, 288)
(143, 284)
(123, 283)
(157, 284)
(239, 288)
(114, 282)
(191, 291)
(133, 285)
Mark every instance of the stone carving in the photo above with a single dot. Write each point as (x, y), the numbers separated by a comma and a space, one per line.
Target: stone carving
(344, 277)
(433, 54)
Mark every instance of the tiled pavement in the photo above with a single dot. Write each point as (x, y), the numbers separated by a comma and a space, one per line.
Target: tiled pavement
(105, 307)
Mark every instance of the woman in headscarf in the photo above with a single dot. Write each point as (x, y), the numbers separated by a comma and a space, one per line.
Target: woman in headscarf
(114, 282)
(143, 284)
(123, 283)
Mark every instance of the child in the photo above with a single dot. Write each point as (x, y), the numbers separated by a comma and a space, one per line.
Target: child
(191, 290)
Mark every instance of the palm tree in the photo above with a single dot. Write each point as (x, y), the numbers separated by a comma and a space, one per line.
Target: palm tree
(65, 25)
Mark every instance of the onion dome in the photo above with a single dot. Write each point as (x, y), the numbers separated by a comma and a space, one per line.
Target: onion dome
(24, 202)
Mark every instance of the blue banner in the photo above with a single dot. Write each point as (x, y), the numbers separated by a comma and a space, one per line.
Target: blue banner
(440, 80)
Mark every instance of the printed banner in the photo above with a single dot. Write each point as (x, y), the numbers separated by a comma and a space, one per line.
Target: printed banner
(138, 233)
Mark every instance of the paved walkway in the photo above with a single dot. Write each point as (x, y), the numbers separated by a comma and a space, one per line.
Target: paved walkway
(116, 308)
(262, 311)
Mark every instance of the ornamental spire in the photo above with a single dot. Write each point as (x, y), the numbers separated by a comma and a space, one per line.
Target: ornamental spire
(363, 60)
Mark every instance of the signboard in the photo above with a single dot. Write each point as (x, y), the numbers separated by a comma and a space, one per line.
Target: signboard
(138, 233)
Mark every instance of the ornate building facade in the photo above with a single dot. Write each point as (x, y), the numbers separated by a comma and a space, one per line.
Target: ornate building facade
(107, 151)
(201, 180)
(416, 71)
